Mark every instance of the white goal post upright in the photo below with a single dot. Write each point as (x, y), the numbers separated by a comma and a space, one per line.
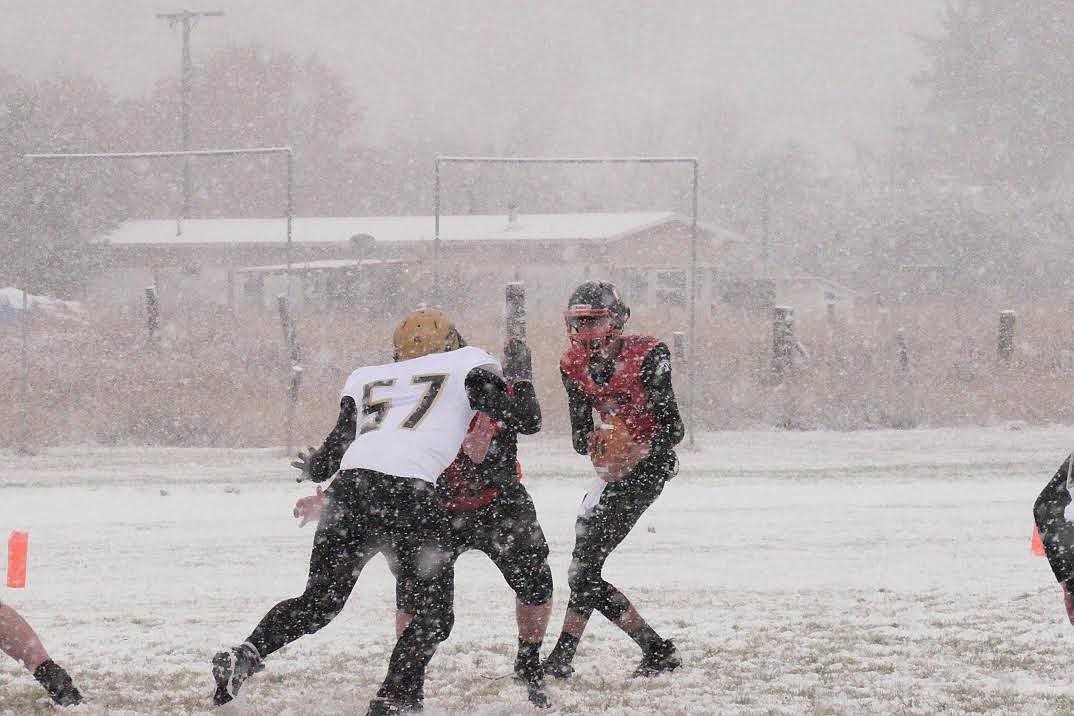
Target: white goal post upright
(288, 213)
(692, 273)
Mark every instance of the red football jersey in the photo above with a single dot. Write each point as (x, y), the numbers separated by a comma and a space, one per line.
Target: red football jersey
(459, 485)
(624, 395)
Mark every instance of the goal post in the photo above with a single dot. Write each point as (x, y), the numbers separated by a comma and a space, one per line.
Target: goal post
(692, 162)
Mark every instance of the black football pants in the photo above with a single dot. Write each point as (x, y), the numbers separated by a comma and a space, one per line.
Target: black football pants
(367, 512)
(620, 507)
(508, 532)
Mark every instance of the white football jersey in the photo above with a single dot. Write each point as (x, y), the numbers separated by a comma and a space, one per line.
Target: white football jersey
(414, 414)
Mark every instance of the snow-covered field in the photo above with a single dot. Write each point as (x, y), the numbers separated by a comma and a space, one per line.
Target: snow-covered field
(873, 572)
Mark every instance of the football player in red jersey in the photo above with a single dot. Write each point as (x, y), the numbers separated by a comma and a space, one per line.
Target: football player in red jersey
(627, 381)
(493, 513)
(19, 641)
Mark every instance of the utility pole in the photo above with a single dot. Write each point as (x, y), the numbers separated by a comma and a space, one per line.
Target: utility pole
(187, 19)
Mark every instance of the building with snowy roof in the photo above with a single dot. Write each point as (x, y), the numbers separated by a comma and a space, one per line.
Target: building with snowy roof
(354, 258)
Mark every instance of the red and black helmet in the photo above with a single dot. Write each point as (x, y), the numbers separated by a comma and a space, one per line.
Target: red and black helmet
(595, 314)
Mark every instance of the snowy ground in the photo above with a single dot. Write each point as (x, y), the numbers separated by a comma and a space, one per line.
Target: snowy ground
(874, 572)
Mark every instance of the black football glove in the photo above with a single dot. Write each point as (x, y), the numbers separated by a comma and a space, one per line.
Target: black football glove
(303, 462)
(517, 361)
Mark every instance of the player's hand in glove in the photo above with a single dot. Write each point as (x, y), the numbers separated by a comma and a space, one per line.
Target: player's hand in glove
(308, 509)
(302, 463)
(614, 451)
(517, 361)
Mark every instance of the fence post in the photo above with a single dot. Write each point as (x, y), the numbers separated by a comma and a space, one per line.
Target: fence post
(515, 307)
(231, 306)
(679, 354)
(294, 373)
(679, 346)
(1005, 347)
(903, 351)
(24, 446)
(782, 341)
(152, 312)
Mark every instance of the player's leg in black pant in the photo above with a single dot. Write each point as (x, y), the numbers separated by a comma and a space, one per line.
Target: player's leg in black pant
(1057, 534)
(515, 542)
(620, 507)
(416, 527)
(342, 545)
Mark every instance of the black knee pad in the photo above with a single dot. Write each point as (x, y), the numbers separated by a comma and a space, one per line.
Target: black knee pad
(538, 589)
(439, 625)
(587, 587)
(613, 603)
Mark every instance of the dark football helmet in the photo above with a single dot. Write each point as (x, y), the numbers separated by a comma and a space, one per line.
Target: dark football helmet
(595, 315)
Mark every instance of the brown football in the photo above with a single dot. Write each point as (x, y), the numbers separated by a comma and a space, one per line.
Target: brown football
(610, 442)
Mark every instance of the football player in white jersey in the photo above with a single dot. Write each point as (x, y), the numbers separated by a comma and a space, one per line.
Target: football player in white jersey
(400, 425)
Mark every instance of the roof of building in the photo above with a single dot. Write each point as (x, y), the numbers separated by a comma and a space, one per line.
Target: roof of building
(808, 281)
(324, 265)
(391, 229)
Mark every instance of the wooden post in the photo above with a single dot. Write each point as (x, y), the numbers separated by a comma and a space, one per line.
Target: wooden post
(294, 373)
(231, 292)
(27, 432)
(903, 351)
(782, 341)
(679, 346)
(678, 351)
(152, 312)
(515, 305)
(1005, 347)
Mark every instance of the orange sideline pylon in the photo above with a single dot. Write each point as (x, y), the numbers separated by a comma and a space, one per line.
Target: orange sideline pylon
(17, 544)
(1036, 546)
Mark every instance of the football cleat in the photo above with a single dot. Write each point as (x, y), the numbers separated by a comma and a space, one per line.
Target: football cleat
(661, 658)
(391, 707)
(230, 669)
(533, 679)
(57, 683)
(536, 693)
(557, 669)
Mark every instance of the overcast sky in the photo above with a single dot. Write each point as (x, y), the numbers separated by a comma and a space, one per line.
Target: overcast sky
(829, 73)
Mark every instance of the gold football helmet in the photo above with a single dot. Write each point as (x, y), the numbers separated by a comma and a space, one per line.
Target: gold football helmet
(425, 331)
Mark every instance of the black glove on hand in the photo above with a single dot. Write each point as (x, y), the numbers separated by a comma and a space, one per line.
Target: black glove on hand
(303, 463)
(517, 361)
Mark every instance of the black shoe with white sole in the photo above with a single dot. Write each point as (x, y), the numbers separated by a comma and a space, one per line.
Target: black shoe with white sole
(381, 706)
(660, 659)
(231, 668)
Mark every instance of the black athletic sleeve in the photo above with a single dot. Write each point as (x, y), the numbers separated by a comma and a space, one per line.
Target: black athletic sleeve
(656, 377)
(488, 393)
(581, 412)
(325, 462)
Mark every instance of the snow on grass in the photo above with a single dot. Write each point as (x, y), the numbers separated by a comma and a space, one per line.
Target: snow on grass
(825, 573)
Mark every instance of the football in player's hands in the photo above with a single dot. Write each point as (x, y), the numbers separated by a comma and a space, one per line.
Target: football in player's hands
(614, 451)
